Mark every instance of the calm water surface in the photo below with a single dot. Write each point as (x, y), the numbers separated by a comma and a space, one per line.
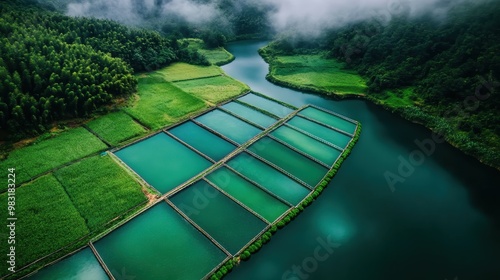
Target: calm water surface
(441, 222)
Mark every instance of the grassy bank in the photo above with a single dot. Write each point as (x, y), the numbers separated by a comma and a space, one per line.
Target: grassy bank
(116, 127)
(216, 56)
(316, 74)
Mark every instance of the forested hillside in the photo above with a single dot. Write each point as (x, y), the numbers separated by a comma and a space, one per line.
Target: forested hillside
(54, 67)
(449, 67)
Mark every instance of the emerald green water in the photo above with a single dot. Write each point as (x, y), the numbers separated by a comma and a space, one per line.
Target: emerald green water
(266, 104)
(80, 266)
(329, 119)
(291, 161)
(250, 114)
(229, 126)
(320, 131)
(307, 144)
(163, 162)
(203, 140)
(226, 221)
(269, 178)
(158, 244)
(247, 193)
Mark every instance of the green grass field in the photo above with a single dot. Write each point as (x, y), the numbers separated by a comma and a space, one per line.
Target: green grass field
(216, 56)
(116, 127)
(159, 103)
(215, 89)
(182, 71)
(46, 221)
(50, 153)
(100, 189)
(313, 72)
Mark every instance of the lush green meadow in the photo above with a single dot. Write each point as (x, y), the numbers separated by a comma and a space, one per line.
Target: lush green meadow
(116, 127)
(159, 103)
(46, 221)
(316, 73)
(182, 71)
(42, 156)
(399, 98)
(100, 189)
(215, 89)
(216, 56)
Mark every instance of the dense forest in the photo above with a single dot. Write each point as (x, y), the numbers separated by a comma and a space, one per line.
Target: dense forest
(451, 66)
(54, 66)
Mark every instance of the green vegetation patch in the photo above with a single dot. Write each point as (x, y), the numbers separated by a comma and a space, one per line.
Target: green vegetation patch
(42, 156)
(100, 189)
(159, 103)
(46, 221)
(215, 89)
(116, 127)
(399, 98)
(313, 72)
(216, 56)
(183, 71)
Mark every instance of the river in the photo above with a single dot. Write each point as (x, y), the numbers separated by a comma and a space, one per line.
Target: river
(437, 218)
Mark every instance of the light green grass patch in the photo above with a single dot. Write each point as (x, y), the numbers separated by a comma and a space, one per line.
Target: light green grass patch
(399, 98)
(215, 89)
(46, 221)
(160, 103)
(50, 153)
(182, 71)
(100, 189)
(116, 127)
(216, 56)
(317, 73)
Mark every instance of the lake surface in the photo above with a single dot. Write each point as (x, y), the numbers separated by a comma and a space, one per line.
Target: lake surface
(440, 221)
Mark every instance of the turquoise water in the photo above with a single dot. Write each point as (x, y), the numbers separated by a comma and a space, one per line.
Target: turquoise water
(252, 115)
(163, 162)
(226, 221)
(306, 144)
(203, 140)
(247, 193)
(291, 161)
(329, 119)
(325, 133)
(266, 104)
(269, 178)
(442, 221)
(158, 244)
(229, 126)
(82, 265)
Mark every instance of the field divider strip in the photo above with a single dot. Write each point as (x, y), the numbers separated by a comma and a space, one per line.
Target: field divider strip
(314, 137)
(195, 225)
(267, 113)
(326, 125)
(97, 135)
(189, 146)
(216, 133)
(132, 171)
(216, 268)
(235, 200)
(147, 128)
(241, 118)
(101, 261)
(335, 114)
(275, 100)
(197, 78)
(299, 151)
(280, 169)
(259, 186)
(54, 169)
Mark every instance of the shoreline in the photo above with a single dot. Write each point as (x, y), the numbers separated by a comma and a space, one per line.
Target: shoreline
(399, 111)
